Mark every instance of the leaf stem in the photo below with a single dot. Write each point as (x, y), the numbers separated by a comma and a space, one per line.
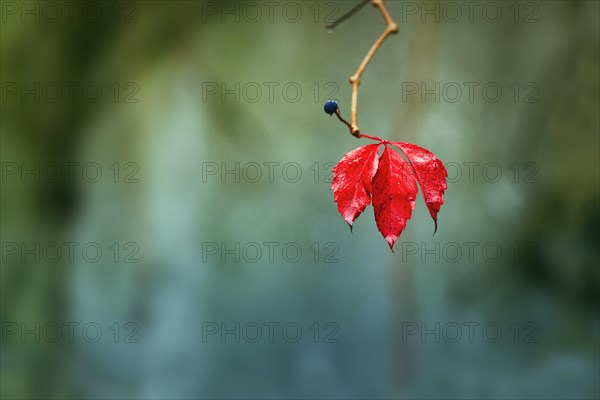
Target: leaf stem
(380, 140)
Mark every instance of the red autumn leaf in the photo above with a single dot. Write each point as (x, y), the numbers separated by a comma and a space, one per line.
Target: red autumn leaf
(430, 173)
(351, 183)
(391, 182)
(394, 193)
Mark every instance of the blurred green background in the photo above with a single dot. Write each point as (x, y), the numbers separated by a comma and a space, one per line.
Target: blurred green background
(167, 225)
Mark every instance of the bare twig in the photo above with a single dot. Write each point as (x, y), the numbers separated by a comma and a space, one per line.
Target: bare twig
(391, 28)
(344, 17)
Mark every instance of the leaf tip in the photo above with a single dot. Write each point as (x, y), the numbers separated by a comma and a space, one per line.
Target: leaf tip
(391, 241)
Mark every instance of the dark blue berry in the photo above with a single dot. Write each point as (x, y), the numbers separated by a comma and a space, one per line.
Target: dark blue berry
(330, 107)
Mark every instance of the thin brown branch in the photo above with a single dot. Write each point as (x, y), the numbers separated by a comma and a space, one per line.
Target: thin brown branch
(346, 16)
(391, 28)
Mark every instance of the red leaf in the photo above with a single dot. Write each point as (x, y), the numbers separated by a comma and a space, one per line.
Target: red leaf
(351, 183)
(391, 182)
(430, 173)
(394, 193)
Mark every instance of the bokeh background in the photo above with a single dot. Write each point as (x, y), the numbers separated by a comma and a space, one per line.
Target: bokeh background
(168, 230)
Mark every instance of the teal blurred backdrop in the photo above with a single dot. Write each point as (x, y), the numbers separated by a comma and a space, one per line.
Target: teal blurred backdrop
(168, 230)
